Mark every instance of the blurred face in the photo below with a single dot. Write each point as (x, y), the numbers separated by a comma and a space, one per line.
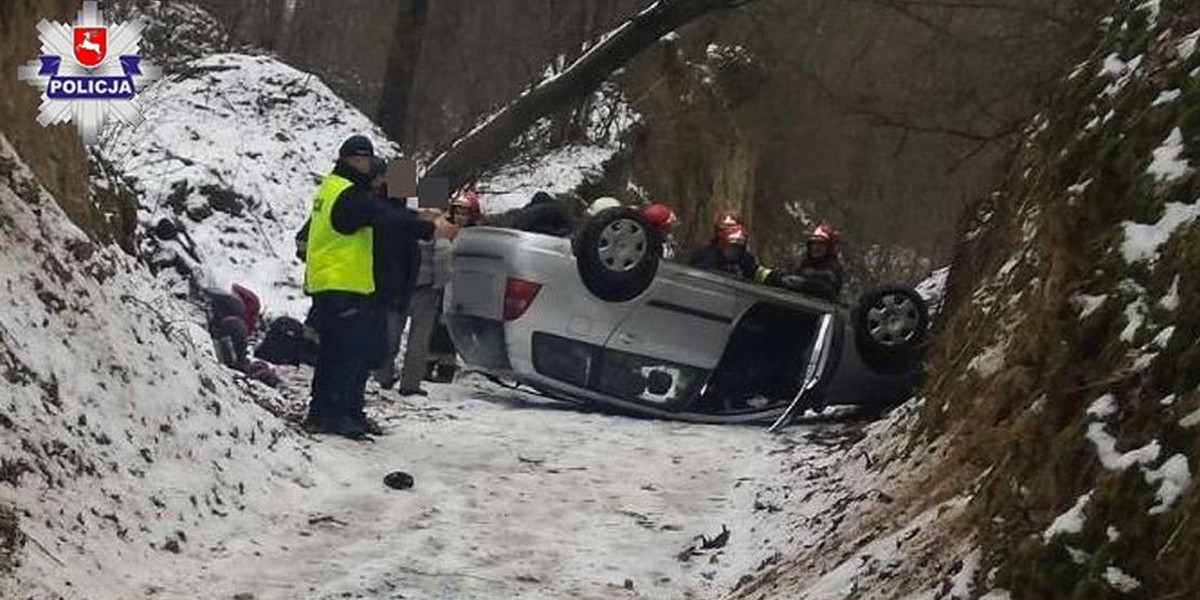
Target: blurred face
(733, 252)
(362, 164)
(818, 249)
(462, 216)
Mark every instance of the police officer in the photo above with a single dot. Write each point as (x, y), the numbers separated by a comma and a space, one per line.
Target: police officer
(340, 277)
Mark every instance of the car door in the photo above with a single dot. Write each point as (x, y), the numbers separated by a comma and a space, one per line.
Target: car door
(662, 350)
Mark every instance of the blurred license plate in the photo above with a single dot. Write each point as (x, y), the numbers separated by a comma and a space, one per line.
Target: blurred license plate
(476, 290)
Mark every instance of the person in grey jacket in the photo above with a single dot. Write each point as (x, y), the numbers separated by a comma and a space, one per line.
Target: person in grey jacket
(424, 309)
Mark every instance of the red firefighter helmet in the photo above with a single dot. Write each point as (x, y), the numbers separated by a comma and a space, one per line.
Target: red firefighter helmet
(659, 216)
(824, 233)
(468, 202)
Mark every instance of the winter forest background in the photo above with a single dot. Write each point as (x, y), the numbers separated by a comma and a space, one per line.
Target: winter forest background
(887, 117)
(1042, 155)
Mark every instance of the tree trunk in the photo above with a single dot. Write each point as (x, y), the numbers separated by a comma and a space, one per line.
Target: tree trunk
(472, 154)
(403, 56)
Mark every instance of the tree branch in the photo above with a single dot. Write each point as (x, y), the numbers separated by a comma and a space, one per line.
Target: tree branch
(985, 6)
(473, 153)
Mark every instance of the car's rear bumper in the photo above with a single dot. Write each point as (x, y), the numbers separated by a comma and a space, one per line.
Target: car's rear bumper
(481, 342)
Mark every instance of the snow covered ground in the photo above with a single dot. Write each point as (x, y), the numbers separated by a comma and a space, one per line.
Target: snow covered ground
(234, 146)
(518, 497)
(140, 468)
(159, 474)
(557, 172)
(122, 448)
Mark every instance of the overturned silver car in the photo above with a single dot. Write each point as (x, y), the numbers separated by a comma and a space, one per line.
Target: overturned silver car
(599, 318)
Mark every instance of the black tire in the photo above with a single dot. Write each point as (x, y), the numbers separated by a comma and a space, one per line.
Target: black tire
(890, 327)
(617, 254)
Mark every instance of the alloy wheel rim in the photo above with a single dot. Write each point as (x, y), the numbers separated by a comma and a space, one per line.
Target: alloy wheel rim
(622, 245)
(893, 320)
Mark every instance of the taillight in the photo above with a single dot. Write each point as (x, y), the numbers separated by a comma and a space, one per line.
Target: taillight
(518, 296)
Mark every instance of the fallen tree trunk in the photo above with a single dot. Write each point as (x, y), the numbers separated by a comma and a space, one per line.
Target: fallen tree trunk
(472, 154)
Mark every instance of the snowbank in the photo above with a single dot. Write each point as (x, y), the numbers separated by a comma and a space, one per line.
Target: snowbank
(234, 146)
(558, 172)
(125, 451)
(1069, 522)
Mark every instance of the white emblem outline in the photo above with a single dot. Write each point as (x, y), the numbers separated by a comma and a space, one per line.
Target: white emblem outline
(122, 63)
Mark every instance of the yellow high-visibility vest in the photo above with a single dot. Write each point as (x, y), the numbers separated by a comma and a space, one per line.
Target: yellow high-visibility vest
(336, 262)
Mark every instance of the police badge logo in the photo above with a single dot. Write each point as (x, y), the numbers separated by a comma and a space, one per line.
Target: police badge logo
(90, 72)
(91, 44)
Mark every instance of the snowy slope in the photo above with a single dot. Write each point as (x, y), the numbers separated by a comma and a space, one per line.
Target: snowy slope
(139, 468)
(559, 171)
(234, 145)
(123, 449)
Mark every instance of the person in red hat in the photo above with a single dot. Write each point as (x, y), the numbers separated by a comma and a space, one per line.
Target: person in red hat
(465, 209)
(430, 354)
(662, 218)
(728, 253)
(820, 268)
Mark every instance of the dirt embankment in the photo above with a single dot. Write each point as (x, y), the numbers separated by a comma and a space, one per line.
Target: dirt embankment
(1062, 393)
(1067, 368)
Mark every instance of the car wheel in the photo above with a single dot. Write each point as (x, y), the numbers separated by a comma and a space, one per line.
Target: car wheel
(890, 324)
(617, 254)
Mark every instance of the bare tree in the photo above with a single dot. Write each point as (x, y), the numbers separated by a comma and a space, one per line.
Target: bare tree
(403, 56)
(473, 153)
